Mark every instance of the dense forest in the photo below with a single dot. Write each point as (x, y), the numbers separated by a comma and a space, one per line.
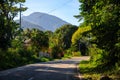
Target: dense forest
(98, 36)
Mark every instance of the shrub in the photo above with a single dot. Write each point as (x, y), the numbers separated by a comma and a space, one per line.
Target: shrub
(76, 53)
(14, 57)
(56, 52)
(44, 59)
(68, 53)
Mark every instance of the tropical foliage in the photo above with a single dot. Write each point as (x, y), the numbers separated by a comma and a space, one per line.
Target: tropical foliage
(64, 34)
(8, 27)
(80, 39)
(104, 19)
(61, 40)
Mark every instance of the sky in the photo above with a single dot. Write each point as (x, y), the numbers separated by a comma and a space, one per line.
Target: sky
(64, 9)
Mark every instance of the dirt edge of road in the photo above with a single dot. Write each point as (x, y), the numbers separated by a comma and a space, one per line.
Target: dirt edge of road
(80, 76)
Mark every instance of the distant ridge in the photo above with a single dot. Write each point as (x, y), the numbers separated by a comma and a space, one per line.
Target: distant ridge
(42, 21)
(26, 24)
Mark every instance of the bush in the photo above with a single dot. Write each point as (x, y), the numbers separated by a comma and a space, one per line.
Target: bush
(3, 60)
(9, 59)
(76, 53)
(68, 53)
(57, 52)
(44, 59)
(15, 57)
(89, 70)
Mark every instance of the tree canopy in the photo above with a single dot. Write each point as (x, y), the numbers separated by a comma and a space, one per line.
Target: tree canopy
(8, 11)
(64, 34)
(104, 18)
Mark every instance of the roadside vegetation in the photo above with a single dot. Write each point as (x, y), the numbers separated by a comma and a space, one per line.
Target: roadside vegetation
(98, 36)
(91, 71)
(103, 38)
(25, 46)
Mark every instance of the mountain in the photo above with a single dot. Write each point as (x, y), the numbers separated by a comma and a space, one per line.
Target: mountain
(42, 21)
(26, 24)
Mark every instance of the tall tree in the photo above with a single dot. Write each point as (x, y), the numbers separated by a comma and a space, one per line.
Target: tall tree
(39, 39)
(80, 39)
(64, 34)
(104, 18)
(8, 11)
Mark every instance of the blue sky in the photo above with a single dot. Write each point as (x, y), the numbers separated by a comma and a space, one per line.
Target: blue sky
(64, 9)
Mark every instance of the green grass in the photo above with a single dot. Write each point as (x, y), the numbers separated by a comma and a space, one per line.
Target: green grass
(67, 57)
(91, 71)
(45, 59)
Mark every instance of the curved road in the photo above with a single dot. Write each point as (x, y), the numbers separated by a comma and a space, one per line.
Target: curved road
(53, 70)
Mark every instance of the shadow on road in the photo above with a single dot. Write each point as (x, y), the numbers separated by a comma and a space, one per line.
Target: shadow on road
(57, 70)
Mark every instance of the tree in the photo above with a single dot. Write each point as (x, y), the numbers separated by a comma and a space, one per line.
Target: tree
(104, 18)
(38, 38)
(8, 11)
(51, 38)
(80, 39)
(64, 35)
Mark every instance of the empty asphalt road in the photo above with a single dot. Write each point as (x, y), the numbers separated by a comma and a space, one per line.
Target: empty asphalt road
(53, 70)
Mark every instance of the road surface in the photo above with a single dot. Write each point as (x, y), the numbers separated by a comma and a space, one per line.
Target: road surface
(53, 70)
